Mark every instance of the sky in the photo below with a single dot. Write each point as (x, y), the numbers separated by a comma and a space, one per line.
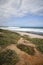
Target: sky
(21, 13)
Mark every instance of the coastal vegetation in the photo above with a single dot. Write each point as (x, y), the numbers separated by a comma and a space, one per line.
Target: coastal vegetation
(29, 50)
(11, 56)
(8, 57)
(8, 37)
(37, 41)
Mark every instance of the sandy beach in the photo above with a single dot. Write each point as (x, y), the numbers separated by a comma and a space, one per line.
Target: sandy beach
(31, 35)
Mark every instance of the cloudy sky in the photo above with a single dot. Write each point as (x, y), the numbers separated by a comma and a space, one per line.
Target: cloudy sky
(21, 13)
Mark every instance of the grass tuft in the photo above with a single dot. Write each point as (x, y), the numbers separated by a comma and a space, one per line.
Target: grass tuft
(8, 57)
(38, 42)
(29, 50)
(8, 37)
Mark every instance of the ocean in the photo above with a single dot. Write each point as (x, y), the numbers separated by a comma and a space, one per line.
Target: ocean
(36, 30)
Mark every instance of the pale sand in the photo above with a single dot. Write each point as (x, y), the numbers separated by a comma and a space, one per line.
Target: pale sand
(31, 35)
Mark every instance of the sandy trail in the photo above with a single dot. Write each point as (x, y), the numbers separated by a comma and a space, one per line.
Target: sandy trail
(26, 59)
(27, 43)
(20, 53)
(13, 47)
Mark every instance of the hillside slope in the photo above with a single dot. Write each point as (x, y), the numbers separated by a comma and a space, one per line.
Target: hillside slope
(28, 51)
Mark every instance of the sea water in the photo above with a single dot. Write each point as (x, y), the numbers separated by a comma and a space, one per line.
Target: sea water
(37, 30)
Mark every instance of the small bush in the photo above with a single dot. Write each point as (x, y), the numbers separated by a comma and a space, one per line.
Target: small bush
(8, 37)
(8, 57)
(37, 41)
(27, 49)
(40, 48)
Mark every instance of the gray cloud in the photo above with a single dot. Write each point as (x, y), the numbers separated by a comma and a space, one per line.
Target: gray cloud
(19, 8)
(3, 2)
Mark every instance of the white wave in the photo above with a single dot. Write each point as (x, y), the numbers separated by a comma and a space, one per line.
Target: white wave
(23, 29)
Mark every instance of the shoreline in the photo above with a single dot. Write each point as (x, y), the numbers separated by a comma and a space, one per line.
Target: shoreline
(31, 35)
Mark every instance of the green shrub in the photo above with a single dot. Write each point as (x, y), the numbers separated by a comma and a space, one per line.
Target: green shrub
(27, 49)
(8, 37)
(37, 41)
(40, 48)
(8, 57)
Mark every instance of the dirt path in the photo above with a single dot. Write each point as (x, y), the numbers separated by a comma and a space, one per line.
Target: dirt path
(25, 59)
(13, 47)
(22, 55)
(27, 43)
